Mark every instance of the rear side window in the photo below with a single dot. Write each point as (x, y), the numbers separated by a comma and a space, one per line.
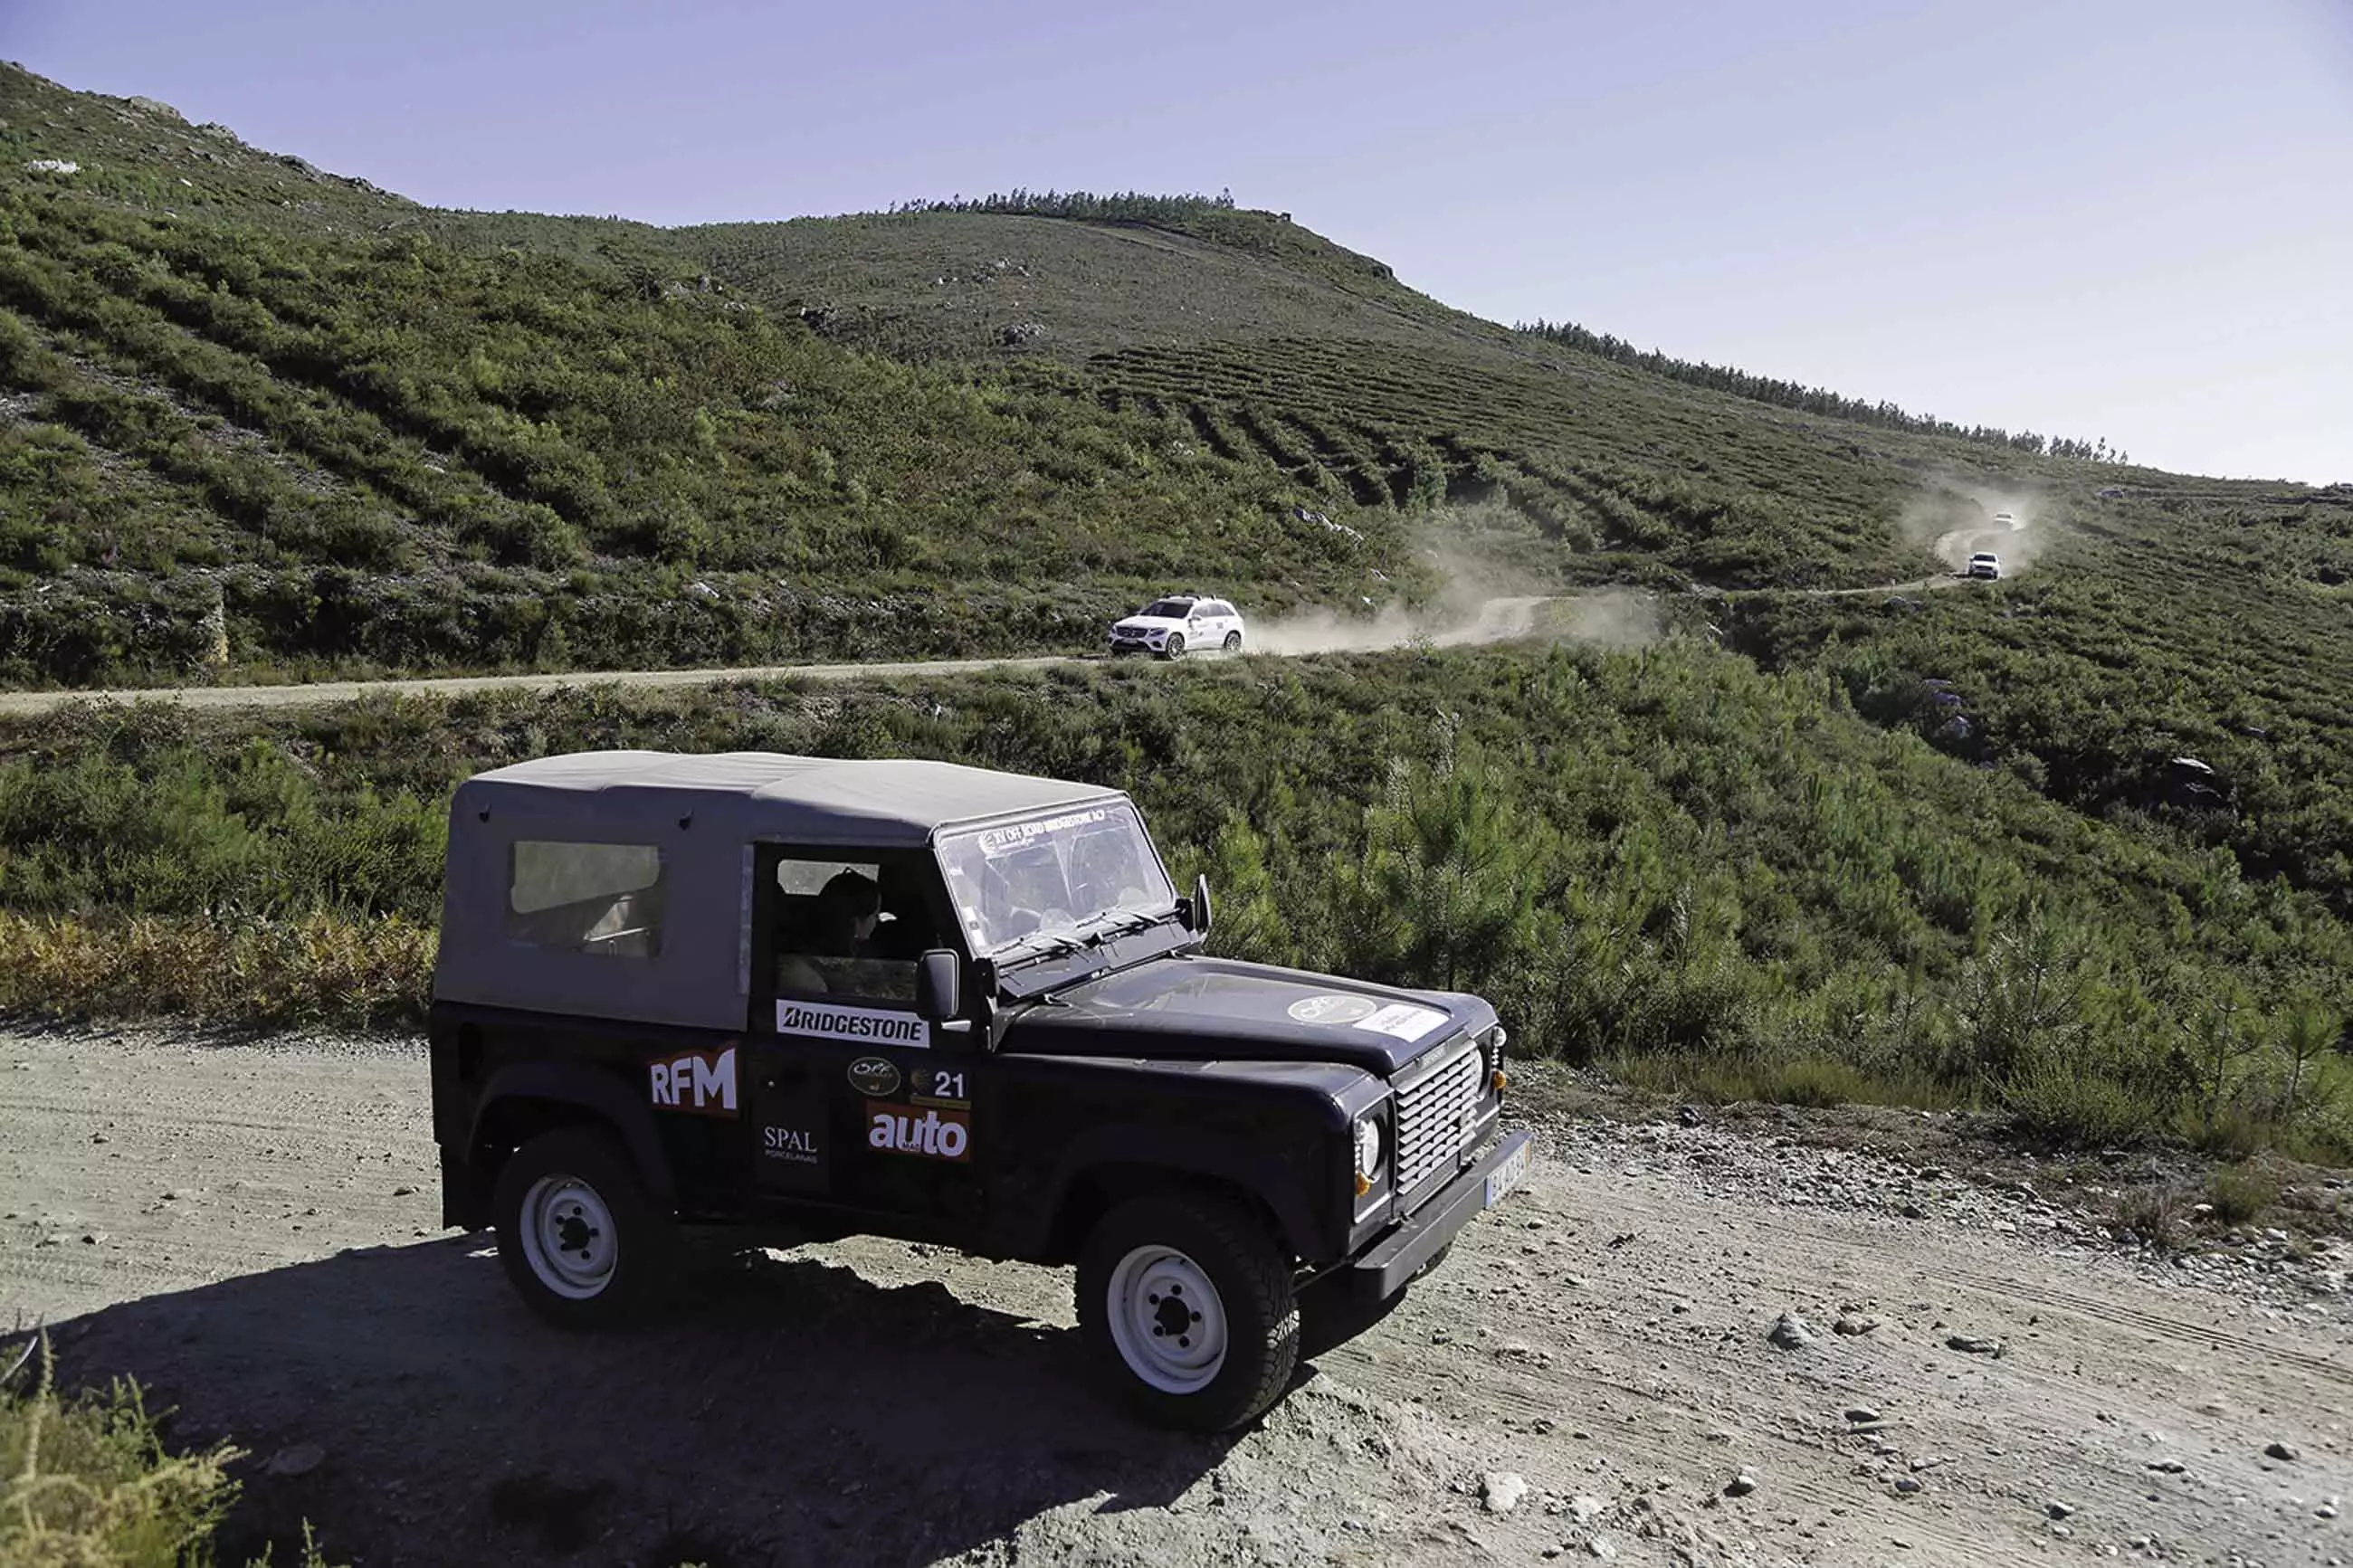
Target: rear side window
(602, 899)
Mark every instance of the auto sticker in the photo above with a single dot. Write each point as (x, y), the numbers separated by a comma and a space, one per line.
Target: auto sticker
(933, 1135)
(875, 1077)
(701, 1081)
(1403, 1020)
(878, 1025)
(1332, 1009)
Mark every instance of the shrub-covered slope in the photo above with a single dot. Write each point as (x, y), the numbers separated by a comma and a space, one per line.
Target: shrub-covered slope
(1662, 857)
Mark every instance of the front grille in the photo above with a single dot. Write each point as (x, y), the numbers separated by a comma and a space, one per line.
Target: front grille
(1437, 1115)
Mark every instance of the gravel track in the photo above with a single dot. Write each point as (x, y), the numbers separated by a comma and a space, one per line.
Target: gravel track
(250, 1229)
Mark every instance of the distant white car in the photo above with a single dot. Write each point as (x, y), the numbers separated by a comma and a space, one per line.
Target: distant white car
(1984, 564)
(1177, 625)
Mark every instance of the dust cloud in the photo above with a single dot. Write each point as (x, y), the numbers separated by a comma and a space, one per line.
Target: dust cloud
(1957, 517)
(1470, 611)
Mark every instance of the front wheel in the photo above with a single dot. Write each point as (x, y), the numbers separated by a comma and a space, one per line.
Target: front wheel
(1186, 1301)
(580, 1240)
(1174, 646)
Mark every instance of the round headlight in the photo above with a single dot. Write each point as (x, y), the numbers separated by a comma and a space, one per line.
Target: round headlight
(1368, 1147)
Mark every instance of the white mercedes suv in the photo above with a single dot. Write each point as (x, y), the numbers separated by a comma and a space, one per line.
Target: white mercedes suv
(1179, 624)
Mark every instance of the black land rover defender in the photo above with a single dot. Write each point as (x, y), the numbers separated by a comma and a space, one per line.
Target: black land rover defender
(812, 999)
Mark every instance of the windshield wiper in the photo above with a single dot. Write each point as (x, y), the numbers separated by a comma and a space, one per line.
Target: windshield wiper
(1115, 922)
(1088, 933)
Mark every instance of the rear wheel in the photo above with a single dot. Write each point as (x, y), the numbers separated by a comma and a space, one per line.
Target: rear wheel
(1233, 642)
(580, 1240)
(1186, 1300)
(1174, 646)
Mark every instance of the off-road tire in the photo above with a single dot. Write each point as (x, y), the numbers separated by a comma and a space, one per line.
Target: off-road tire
(1233, 642)
(1174, 646)
(1253, 1280)
(645, 1238)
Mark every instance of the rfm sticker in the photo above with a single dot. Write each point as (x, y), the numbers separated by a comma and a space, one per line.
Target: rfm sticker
(701, 1081)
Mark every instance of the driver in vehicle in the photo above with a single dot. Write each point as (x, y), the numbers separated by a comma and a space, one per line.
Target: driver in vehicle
(905, 932)
(847, 907)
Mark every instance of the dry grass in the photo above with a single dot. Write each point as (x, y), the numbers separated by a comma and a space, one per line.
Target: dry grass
(87, 1482)
(321, 969)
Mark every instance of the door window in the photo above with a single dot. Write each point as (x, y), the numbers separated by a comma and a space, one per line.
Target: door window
(850, 930)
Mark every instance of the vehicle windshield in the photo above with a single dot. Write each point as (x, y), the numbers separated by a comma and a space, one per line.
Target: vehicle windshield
(1168, 609)
(1070, 875)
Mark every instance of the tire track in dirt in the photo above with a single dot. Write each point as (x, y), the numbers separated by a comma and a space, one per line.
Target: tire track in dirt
(1601, 1334)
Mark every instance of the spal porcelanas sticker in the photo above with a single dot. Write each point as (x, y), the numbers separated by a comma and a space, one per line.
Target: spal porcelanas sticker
(1403, 1020)
(1332, 1009)
(932, 1134)
(867, 1025)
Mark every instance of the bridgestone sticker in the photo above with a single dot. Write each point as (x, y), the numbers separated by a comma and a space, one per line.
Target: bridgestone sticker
(1402, 1020)
(1331, 1009)
(876, 1025)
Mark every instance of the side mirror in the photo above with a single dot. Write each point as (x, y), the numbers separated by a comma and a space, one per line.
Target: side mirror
(939, 986)
(1195, 912)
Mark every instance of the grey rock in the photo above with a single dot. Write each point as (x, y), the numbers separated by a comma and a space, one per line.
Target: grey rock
(1601, 1547)
(1586, 1508)
(1740, 1486)
(2281, 1451)
(1975, 1344)
(2059, 1509)
(1791, 1332)
(1502, 1491)
(1851, 1325)
(1859, 1413)
(300, 1460)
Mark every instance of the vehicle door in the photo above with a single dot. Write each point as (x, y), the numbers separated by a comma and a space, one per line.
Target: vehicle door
(856, 1099)
(1201, 629)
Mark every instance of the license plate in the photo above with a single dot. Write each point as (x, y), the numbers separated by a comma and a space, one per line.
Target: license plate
(1507, 1175)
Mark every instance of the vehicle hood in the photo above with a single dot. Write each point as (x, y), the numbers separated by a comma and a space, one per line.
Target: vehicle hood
(1149, 623)
(1185, 1008)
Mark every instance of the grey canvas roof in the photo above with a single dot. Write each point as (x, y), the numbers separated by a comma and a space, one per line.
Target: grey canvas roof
(701, 813)
(765, 795)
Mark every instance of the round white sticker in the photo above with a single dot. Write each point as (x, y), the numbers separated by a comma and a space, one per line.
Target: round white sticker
(1332, 1009)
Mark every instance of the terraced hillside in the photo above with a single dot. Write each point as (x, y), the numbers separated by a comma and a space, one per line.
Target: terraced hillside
(265, 420)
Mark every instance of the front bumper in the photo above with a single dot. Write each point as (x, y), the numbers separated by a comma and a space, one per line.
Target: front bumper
(1385, 1268)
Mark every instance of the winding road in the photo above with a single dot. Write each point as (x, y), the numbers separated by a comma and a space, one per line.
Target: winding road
(1496, 620)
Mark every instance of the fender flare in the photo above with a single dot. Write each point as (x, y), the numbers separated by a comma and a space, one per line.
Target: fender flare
(596, 1092)
(1186, 1152)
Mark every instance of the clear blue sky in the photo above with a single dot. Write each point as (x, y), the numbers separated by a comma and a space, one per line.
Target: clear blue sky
(2129, 218)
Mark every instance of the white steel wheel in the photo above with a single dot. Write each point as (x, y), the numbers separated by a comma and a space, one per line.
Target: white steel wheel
(568, 1237)
(1166, 1319)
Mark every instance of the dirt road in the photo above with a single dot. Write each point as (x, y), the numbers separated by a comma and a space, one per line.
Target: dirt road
(1496, 620)
(250, 1229)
